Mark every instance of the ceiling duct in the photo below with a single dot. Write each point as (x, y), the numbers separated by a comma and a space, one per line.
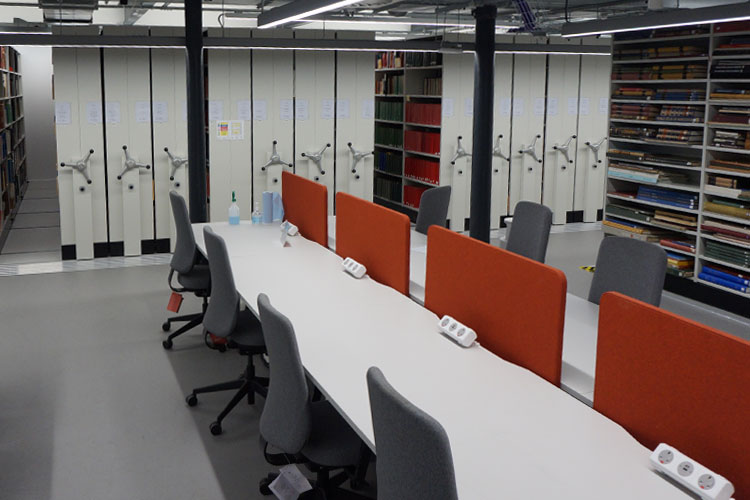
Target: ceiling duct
(68, 11)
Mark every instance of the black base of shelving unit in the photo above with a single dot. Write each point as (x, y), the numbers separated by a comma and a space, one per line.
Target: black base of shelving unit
(708, 295)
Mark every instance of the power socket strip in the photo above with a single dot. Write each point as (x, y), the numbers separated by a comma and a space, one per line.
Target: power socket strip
(354, 268)
(291, 229)
(456, 331)
(690, 474)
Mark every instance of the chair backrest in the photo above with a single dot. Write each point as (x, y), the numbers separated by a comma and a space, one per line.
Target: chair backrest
(184, 250)
(285, 422)
(529, 232)
(221, 315)
(306, 206)
(413, 450)
(668, 379)
(632, 267)
(433, 208)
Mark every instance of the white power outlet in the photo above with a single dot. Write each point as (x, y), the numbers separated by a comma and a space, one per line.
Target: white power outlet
(457, 332)
(354, 268)
(690, 474)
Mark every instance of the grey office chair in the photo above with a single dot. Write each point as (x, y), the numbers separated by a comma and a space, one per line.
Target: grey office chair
(632, 267)
(414, 457)
(241, 329)
(305, 431)
(433, 208)
(529, 233)
(195, 277)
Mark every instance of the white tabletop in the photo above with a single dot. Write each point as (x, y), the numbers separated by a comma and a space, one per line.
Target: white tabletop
(581, 321)
(513, 435)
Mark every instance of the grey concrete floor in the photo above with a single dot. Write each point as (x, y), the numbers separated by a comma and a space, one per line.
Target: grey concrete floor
(34, 235)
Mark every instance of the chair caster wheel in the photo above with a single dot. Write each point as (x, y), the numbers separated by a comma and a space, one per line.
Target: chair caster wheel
(264, 486)
(221, 348)
(215, 428)
(191, 400)
(167, 344)
(166, 326)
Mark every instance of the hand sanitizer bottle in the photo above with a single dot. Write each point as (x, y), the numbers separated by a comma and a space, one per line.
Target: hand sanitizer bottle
(234, 211)
(257, 216)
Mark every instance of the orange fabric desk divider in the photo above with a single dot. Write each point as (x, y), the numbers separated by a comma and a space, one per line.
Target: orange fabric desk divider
(668, 379)
(376, 237)
(516, 305)
(306, 206)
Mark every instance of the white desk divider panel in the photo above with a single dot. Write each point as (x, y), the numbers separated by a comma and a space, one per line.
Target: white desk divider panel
(355, 119)
(563, 75)
(527, 141)
(129, 152)
(79, 130)
(314, 94)
(502, 128)
(593, 115)
(169, 114)
(458, 122)
(230, 136)
(273, 114)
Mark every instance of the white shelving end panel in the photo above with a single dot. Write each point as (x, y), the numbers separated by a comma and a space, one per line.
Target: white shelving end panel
(502, 130)
(561, 144)
(593, 113)
(230, 132)
(170, 131)
(273, 113)
(526, 169)
(314, 84)
(458, 121)
(355, 119)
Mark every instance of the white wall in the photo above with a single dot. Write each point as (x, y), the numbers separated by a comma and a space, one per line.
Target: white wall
(36, 68)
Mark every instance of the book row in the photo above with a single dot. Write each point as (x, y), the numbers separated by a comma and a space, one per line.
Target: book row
(388, 162)
(390, 85)
(413, 195)
(423, 142)
(422, 170)
(388, 136)
(425, 113)
(389, 110)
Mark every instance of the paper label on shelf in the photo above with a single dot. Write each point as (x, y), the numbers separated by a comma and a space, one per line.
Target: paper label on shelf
(286, 110)
(244, 110)
(62, 113)
(215, 110)
(142, 111)
(518, 106)
(94, 112)
(302, 111)
(368, 109)
(539, 106)
(552, 109)
(230, 130)
(342, 109)
(469, 106)
(184, 110)
(326, 109)
(160, 109)
(584, 106)
(112, 112)
(505, 106)
(603, 105)
(572, 106)
(260, 110)
(448, 107)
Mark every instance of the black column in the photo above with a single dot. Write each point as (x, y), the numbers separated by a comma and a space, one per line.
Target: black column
(484, 91)
(195, 111)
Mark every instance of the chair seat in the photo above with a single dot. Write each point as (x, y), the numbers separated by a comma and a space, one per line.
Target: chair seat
(248, 334)
(332, 442)
(199, 278)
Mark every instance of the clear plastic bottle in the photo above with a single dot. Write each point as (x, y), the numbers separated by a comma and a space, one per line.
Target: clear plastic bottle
(257, 216)
(234, 211)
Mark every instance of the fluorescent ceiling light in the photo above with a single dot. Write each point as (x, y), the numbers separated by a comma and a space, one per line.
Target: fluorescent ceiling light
(661, 19)
(399, 20)
(297, 10)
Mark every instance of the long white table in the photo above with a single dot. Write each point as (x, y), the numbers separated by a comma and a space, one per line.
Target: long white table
(579, 336)
(513, 435)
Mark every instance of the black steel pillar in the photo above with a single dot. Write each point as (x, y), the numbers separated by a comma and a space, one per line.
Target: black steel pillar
(484, 91)
(195, 111)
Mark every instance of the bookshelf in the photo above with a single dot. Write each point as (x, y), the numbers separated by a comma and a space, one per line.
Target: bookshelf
(679, 165)
(12, 137)
(408, 97)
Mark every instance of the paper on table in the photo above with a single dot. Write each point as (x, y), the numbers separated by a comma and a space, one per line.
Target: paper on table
(94, 112)
(62, 113)
(112, 112)
(142, 111)
(244, 110)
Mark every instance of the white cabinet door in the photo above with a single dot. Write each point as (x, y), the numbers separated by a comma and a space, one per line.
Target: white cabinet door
(79, 130)
(314, 85)
(501, 140)
(560, 135)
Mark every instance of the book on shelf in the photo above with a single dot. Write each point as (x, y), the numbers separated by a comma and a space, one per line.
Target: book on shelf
(722, 207)
(667, 197)
(643, 214)
(733, 166)
(616, 228)
(413, 195)
(727, 273)
(390, 85)
(737, 232)
(722, 282)
(728, 192)
(680, 273)
(731, 139)
(684, 221)
(389, 60)
(731, 115)
(423, 113)
(731, 26)
(388, 162)
(730, 69)
(684, 245)
(422, 170)
(679, 261)
(389, 189)
(732, 254)
(422, 142)
(643, 173)
(389, 110)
